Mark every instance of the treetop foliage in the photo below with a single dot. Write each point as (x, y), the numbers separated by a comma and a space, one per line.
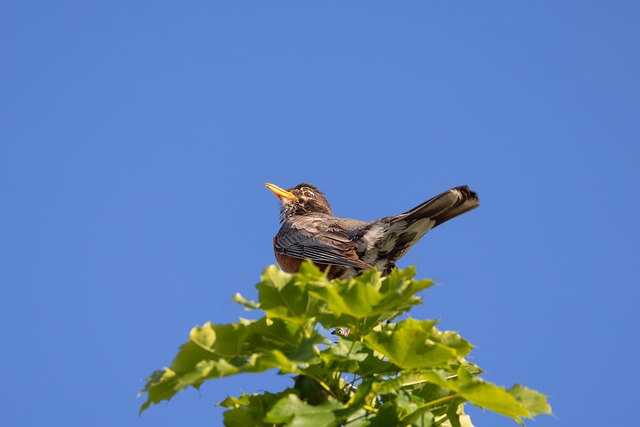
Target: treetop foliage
(380, 373)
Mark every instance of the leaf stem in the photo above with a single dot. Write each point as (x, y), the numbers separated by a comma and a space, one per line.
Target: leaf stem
(370, 408)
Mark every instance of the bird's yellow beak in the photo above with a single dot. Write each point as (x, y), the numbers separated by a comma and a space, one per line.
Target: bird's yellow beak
(282, 194)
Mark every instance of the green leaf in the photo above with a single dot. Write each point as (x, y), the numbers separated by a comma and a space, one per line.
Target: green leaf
(281, 296)
(533, 401)
(412, 410)
(414, 344)
(355, 297)
(294, 412)
(370, 295)
(356, 358)
(159, 387)
(290, 338)
(310, 390)
(452, 340)
(455, 416)
(490, 396)
(221, 350)
(411, 379)
(420, 417)
(361, 303)
(386, 416)
(248, 305)
(250, 410)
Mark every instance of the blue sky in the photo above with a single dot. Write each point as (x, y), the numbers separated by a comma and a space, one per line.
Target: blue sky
(136, 137)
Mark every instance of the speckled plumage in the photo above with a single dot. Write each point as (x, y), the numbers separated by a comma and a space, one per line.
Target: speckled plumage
(349, 246)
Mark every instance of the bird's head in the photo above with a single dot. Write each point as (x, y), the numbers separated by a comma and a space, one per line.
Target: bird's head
(299, 200)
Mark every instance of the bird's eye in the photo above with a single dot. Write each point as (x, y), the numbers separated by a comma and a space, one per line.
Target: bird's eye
(309, 193)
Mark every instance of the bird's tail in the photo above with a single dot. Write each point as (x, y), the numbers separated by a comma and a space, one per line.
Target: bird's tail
(445, 206)
(386, 240)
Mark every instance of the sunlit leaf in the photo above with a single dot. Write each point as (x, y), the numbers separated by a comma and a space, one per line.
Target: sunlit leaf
(489, 396)
(415, 344)
(250, 409)
(295, 412)
(532, 400)
(248, 305)
(281, 296)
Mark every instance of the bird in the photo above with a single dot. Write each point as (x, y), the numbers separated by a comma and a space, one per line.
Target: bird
(344, 247)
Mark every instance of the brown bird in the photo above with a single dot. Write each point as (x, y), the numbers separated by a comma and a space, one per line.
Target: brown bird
(350, 246)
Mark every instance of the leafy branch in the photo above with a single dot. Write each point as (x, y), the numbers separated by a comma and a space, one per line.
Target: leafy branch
(383, 373)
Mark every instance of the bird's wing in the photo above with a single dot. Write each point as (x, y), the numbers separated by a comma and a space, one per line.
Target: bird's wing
(319, 239)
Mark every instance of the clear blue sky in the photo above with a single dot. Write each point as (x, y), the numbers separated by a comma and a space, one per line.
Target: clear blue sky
(136, 137)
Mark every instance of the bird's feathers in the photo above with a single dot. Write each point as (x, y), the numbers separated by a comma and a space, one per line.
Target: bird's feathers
(319, 238)
(384, 241)
(358, 245)
(445, 206)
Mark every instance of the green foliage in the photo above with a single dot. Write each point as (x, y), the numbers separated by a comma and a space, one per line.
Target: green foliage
(382, 374)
